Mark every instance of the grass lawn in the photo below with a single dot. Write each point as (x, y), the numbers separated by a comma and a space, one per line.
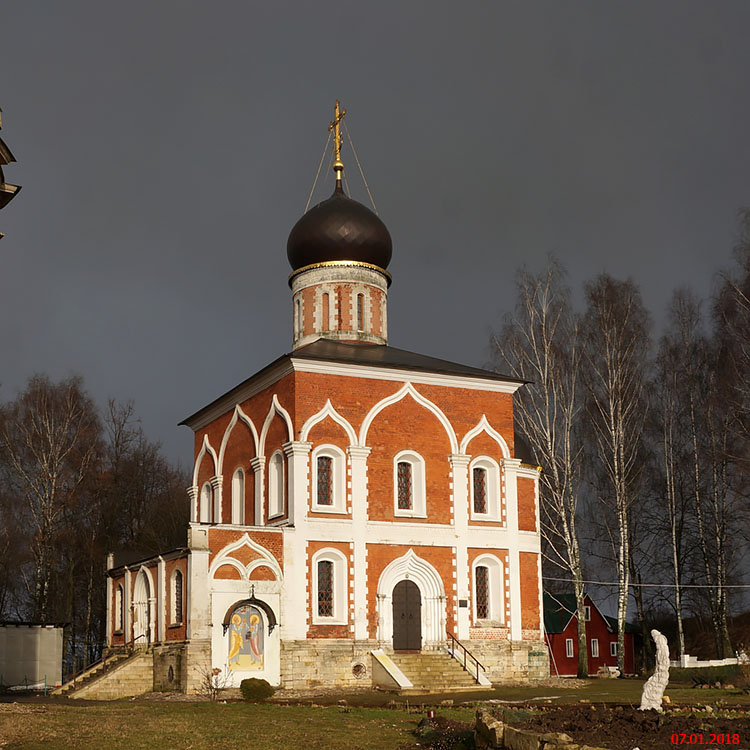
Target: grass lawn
(141, 725)
(145, 725)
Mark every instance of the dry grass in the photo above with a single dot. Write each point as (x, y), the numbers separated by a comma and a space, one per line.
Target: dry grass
(141, 725)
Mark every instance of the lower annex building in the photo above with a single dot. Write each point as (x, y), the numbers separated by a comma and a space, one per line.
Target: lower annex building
(349, 501)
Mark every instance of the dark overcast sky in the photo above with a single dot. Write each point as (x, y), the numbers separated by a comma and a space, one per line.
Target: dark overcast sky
(165, 150)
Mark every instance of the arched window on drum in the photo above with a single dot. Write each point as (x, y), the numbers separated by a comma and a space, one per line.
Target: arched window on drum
(246, 639)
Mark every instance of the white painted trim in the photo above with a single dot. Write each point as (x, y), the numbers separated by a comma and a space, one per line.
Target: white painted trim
(237, 515)
(241, 393)
(205, 448)
(274, 511)
(484, 426)
(275, 408)
(328, 411)
(326, 367)
(340, 587)
(238, 415)
(418, 485)
(408, 389)
(494, 489)
(338, 459)
(412, 567)
(224, 558)
(496, 582)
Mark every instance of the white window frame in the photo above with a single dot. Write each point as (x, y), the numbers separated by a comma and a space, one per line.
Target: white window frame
(207, 502)
(595, 648)
(587, 612)
(276, 485)
(569, 648)
(340, 598)
(493, 488)
(119, 607)
(613, 648)
(496, 601)
(418, 503)
(175, 617)
(338, 458)
(238, 496)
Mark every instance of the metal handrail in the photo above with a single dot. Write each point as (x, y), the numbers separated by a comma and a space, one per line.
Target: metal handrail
(453, 642)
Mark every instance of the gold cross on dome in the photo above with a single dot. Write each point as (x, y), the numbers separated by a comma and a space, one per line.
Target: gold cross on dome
(337, 139)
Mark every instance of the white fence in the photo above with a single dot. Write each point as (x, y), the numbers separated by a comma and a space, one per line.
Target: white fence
(688, 662)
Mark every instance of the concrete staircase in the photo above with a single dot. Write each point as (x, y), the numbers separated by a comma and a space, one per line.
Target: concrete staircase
(121, 676)
(434, 672)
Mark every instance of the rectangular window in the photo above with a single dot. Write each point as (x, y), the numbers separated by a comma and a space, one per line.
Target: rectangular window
(177, 609)
(325, 588)
(480, 490)
(325, 480)
(404, 486)
(569, 648)
(613, 648)
(481, 580)
(360, 312)
(595, 647)
(587, 610)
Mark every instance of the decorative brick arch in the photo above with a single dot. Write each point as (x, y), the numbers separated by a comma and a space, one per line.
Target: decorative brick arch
(205, 448)
(274, 409)
(238, 415)
(413, 568)
(224, 557)
(328, 411)
(408, 389)
(484, 426)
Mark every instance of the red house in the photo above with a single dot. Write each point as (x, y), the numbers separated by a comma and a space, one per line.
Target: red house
(561, 633)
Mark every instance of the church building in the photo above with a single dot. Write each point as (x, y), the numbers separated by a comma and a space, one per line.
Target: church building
(353, 506)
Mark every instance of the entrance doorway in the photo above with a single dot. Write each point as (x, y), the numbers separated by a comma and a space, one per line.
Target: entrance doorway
(407, 617)
(141, 614)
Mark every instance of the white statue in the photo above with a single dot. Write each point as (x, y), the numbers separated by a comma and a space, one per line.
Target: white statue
(654, 688)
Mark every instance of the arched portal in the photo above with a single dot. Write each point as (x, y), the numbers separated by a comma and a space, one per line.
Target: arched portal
(407, 617)
(141, 613)
(432, 619)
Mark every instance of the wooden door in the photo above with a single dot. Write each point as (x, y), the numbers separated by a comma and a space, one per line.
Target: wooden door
(407, 617)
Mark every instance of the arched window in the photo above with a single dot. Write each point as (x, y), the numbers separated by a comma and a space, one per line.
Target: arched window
(298, 316)
(276, 485)
(360, 312)
(176, 598)
(409, 485)
(340, 310)
(487, 581)
(326, 322)
(329, 600)
(484, 483)
(238, 496)
(206, 502)
(217, 506)
(119, 608)
(328, 479)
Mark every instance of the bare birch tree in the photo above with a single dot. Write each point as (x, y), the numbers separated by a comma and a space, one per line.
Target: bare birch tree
(616, 333)
(48, 438)
(539, 343)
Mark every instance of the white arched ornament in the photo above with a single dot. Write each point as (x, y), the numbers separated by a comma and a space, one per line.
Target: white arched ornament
(225, 558)
(328, 411)
(238, 415)
(484, 426)
(413, 568)
(205, 448)
(408, 390)
(275, 408)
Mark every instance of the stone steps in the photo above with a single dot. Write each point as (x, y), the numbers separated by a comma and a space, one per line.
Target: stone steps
(132, 675)
(433, 672)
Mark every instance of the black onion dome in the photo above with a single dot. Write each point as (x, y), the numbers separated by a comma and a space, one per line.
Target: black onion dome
(339, 229)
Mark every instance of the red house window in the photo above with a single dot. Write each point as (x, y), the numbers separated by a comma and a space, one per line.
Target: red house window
(480, 490)
(325, 588)
(482, 581)
(325, 480)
